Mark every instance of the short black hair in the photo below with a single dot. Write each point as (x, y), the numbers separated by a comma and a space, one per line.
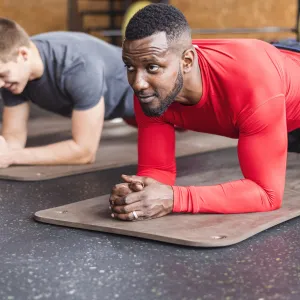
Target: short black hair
(155, 18)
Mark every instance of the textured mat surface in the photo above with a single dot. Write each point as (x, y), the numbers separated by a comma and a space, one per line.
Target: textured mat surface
(118, 148)
(201, 230)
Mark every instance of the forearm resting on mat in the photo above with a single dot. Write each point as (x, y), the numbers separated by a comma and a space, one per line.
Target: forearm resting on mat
(81, 149)
(66, 152)
(14, 126)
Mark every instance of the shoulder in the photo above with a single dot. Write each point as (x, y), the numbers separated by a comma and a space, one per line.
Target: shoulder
(63, 37)
(231, 46)
(244, 55)
(250, 61)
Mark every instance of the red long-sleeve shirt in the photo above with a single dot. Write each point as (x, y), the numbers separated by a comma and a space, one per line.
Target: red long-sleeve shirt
(251, 91)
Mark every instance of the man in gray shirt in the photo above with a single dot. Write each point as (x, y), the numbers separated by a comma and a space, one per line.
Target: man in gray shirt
(71, 74)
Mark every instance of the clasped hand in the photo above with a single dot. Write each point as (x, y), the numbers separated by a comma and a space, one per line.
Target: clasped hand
(140, 198)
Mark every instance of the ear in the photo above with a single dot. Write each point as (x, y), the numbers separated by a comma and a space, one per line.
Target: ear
(23, 52)
(188, 59)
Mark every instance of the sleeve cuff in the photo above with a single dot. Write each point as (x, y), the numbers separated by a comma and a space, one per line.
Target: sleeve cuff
(177, 206)
(186, 199)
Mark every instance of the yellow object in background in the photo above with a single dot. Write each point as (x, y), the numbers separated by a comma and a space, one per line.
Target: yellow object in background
(132, 9)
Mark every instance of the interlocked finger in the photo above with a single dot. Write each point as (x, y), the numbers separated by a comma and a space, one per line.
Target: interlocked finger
(132, 216)
(125, 209)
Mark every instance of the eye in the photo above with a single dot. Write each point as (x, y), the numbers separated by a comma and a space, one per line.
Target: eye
(129, 68)
(153, 68)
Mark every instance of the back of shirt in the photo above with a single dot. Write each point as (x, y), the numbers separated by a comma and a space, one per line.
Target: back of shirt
(240, 75)
(292, 68)
(78, 70)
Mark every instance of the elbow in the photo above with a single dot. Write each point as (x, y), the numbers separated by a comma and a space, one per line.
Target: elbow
(88, 157)
(278, 199)
(85, 156)
(277, 204)
(275, 199)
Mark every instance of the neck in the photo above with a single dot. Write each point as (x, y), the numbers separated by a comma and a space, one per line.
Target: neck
(192, 89)
(37, 66)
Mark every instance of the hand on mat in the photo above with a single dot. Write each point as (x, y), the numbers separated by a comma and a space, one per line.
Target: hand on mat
(152, 201)
(121, 190)
(5, 157)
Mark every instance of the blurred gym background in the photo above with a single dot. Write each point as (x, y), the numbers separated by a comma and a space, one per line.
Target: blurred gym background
(267, 20)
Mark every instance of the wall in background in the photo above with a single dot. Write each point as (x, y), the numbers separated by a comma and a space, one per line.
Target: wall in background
(36, 16)
(239, 13)
(49, 15)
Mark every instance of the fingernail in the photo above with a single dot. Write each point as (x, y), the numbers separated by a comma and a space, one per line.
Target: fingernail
(109, 207)
(112, 215)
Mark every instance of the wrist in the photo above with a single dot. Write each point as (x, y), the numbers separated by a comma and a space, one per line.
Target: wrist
(177, 198)
(171, 198)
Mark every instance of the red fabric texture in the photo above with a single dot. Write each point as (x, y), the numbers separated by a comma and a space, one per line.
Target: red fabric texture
(251, 92)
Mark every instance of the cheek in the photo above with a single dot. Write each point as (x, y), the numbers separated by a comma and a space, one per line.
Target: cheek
(174, 74)
(14, 75)
(167, 80)
(20, 76)
(130, 78)
(170, 74)
(21, 71)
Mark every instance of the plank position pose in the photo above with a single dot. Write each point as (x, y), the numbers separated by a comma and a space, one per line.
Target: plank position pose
(239, 88)
(72, 74)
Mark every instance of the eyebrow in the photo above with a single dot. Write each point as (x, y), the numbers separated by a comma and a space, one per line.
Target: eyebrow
(150, 59)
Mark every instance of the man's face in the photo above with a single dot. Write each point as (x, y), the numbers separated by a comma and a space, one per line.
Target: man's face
(14, 75)
(154, 72)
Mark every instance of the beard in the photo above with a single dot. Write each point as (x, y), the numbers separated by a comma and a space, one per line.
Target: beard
(165, 103)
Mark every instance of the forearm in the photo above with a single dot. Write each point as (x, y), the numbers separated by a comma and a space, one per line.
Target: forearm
(62, 153)
(241, 196)
(157, 162)
(14, 125)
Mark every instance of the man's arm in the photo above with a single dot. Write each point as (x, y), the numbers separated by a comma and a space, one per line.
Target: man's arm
(262, 151)
(81, 149)
(156, 147)
(14, 125)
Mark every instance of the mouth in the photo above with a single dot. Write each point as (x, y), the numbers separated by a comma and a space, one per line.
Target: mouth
(146, 99)
(10, 87)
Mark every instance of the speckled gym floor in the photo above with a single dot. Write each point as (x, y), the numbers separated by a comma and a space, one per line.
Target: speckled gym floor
(39, 261)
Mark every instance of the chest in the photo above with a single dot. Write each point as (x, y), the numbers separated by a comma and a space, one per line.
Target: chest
(207, 118)
(50, 95)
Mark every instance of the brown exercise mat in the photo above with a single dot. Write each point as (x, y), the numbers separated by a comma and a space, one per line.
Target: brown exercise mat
(57, 124)
(118, 148)
(199, 230)
(48, 125)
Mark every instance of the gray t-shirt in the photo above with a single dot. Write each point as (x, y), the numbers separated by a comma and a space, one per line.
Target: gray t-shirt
(78, 70)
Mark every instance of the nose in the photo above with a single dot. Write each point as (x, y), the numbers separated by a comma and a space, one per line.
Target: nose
(139, 82)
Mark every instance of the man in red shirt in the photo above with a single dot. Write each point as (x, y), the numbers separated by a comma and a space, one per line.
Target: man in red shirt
(240, 88)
